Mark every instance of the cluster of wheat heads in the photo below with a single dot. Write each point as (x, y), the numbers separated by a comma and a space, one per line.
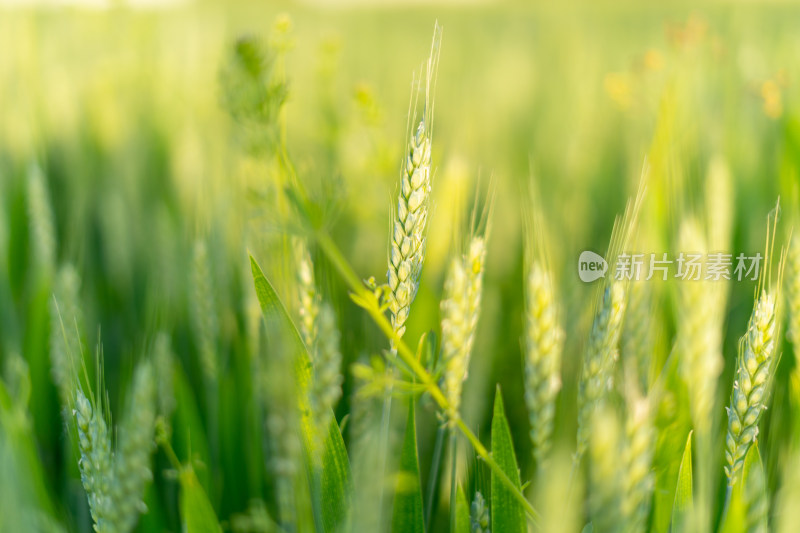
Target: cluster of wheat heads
(619, 414)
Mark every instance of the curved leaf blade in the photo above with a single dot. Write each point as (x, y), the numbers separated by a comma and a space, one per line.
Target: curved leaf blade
(407, 514)
(508, 515)
(683, 492)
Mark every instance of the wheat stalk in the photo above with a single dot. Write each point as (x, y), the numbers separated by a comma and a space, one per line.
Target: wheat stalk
(460, 310)
(543, 346)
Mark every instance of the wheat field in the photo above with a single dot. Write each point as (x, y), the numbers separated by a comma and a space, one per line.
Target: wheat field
(344, 266)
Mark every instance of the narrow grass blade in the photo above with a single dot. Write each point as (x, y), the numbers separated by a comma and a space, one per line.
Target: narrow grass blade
(681, 509)
(462, 512)
(407, 515)
(328, 458)
(197, 514)
(189, 434)
(336, 482)
(508, 515)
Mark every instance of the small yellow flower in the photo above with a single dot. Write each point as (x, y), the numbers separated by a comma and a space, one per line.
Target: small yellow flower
(771, 94)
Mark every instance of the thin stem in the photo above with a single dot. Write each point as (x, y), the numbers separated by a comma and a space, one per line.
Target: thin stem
(727, 504)
(453, 498)
(433, 479)
(370, 304)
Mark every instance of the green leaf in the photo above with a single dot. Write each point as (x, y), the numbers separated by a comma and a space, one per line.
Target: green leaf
(189, 434)
(508, 515)
(336, 483)
(755, 490)
(407, 514)
(462, 512)
(197, 514)
(683, 492)
(327, 458)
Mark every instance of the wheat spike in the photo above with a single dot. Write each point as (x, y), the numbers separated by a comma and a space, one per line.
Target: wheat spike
(460, 310)
(66, 319)
(308, 299)
(793, 292)
(544, 339)
(638, 479)
(136, 444)
(408, 232)
(699, 324)
(479, 517)
(326, 388)
(753, 378)
(203, 310)
(601, 354)
(42, 225)
(96, 462)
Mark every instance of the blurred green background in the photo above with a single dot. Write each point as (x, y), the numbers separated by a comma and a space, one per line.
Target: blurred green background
(119, 111)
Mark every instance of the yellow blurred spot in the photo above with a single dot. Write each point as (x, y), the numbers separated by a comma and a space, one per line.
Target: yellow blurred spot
(771, 93)
(618, 88)
(653, 60)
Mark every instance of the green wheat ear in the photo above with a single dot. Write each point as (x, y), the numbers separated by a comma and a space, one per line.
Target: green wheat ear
(544, 339)
(408, 231)
(751, 388)
(460, 310)
(115, 481)
(756, 364)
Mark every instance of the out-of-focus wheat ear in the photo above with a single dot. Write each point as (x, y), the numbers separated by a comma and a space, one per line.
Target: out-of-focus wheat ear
(66, 322)
(41, 221)
(638, 339)
(544, 339)
(409, 225)
(601, 355)
(793, 291)
(326, 388)
(602, 349)
(480, 520)
(308, 299)
(95, 462)
(460, 309)
(719, 199)
(134, 448)
(699, 332)
(787, 512)
(203, 310)
(164, 364)
(605, 475)
(756, 364)
(638, 479)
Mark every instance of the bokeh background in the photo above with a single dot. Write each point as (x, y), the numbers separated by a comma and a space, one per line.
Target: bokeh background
(117, 156)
